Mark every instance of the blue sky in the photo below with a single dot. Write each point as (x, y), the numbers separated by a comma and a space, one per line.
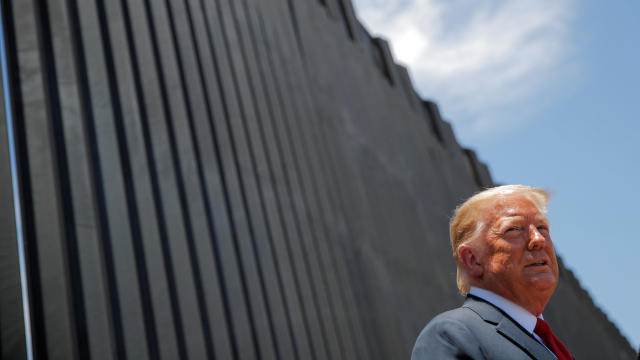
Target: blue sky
(547, 93)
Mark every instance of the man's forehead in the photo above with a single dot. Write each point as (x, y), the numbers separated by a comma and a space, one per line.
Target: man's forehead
(514, 213)
(514, 206)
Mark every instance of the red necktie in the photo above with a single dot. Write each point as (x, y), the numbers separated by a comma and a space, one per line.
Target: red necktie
(553, 343)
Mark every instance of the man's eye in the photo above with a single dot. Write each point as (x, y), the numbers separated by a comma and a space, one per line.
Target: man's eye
(542, 228)
(513, 228)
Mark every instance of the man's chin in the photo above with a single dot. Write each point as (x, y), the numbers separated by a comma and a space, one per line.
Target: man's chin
(544, 282)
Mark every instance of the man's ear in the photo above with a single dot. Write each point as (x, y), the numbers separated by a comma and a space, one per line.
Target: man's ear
(470, 259)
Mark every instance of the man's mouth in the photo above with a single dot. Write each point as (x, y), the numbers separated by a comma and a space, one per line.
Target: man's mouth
(538, 263)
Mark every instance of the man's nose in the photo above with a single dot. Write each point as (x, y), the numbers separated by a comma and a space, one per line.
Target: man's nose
(537, 241)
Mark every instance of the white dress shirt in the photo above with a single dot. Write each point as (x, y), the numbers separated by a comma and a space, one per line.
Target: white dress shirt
(526, 319)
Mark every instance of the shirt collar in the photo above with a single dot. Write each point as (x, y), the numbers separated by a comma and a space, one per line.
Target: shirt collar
(515, 311)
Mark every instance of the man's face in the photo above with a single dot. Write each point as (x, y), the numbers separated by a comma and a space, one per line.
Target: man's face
(518, 258)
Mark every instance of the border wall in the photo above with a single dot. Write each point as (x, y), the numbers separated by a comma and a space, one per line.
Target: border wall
(228, 179)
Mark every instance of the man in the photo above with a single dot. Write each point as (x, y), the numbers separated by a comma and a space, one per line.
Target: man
(507, 267)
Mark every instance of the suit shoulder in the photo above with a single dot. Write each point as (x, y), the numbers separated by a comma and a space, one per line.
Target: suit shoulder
(461, 315)
(462, 321)
(448, 335)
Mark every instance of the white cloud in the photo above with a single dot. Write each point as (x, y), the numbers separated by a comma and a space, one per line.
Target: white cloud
(480, 60)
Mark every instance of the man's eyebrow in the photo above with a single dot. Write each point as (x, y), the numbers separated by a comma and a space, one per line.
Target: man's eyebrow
(506, 219)
(543, 218)
(512, 215)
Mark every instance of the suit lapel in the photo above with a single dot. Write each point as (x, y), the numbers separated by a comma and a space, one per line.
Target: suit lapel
(508, 328)
(513, 332)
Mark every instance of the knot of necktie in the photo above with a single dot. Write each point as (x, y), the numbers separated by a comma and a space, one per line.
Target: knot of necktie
(553, 343)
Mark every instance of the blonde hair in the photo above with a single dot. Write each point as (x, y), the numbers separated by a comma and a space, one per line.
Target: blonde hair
(467, 221)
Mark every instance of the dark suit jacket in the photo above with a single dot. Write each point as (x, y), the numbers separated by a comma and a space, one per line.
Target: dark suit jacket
(477, 330)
